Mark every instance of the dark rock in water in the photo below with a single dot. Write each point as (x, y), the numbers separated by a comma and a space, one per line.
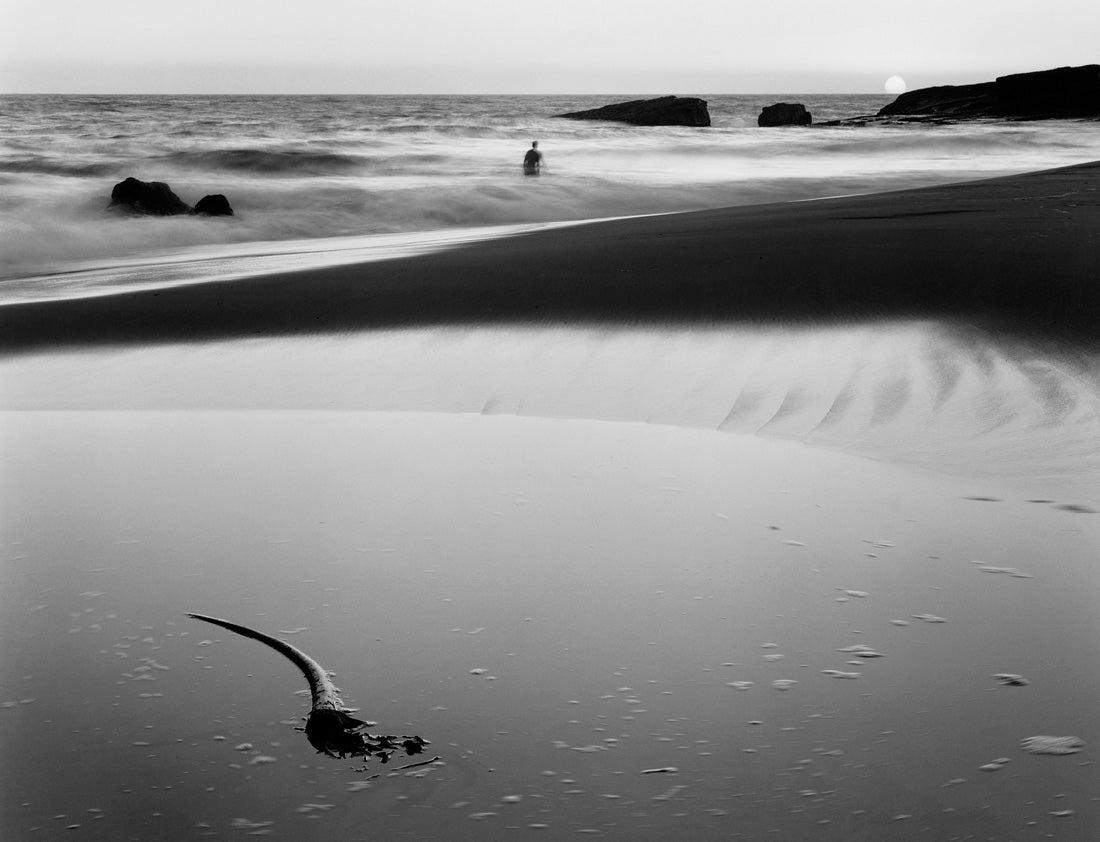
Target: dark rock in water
(213, 205)
(662, 111)
(152, 198)
(1065, 92)
(785, 114)
(155, 198)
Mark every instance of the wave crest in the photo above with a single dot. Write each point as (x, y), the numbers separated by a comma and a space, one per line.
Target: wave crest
(43, 165)
(284, 161)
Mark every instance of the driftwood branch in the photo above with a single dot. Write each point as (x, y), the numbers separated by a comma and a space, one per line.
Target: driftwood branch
(329, 727)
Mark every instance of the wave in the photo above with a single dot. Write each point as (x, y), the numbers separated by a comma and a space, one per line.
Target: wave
(42, 165)
(444, 130)
(969, 140)
(283, 161)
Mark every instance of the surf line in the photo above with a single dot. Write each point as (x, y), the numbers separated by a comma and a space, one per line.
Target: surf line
(329, 727)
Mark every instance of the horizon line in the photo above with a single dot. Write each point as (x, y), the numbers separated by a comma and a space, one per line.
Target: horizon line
(646, 94)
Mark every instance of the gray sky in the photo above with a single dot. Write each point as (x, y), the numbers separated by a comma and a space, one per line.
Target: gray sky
(531, 46)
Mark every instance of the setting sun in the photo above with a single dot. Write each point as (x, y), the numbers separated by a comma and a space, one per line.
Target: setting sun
(895, 85)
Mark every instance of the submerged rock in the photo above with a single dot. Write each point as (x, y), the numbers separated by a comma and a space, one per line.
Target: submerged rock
(785, 114)
(662, 111)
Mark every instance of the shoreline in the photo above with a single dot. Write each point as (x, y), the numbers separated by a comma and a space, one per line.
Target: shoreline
(1016, 252)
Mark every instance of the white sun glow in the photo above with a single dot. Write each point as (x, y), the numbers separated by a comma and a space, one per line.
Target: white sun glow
(895, 85)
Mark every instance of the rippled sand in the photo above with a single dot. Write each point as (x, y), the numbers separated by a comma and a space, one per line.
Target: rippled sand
(915, 392)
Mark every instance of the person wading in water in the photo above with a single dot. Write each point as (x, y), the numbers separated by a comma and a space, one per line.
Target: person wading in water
(532, 161)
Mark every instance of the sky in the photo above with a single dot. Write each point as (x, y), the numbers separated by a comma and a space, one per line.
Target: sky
(532, 46)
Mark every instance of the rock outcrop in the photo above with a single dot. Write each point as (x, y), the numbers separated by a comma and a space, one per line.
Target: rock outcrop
(155, 198)
(1065, 92)
(785, 114)
(662, 111)
(213, 205)
(147, 198)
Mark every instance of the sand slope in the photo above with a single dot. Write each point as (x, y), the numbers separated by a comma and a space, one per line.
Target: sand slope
(1019, 251)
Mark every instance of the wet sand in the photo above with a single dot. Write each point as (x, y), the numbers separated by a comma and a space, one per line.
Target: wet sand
(557, 606)
(1017, 252)
(627, 567)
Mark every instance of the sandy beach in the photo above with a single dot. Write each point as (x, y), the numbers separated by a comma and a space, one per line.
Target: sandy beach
(1008, 253)
(706, 525)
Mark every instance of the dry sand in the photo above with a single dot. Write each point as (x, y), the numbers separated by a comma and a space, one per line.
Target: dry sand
(560, 603)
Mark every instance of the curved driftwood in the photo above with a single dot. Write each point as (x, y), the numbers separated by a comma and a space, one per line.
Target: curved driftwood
(329, 727)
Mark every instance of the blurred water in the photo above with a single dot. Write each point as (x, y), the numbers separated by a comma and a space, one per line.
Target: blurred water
(320, 167)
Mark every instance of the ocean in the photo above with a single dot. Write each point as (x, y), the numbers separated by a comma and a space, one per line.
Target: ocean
(323, 179)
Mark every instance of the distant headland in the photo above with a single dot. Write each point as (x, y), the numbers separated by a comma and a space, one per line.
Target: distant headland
(1065, 92)
(1062, 93)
